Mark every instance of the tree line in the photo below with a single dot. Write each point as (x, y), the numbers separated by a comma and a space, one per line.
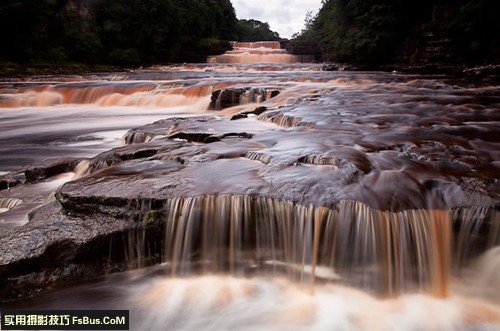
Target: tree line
(404, 31)
(121, 32)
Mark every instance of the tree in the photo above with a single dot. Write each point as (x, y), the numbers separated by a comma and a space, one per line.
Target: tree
(253, 30)
(389, 31)
(123, 32)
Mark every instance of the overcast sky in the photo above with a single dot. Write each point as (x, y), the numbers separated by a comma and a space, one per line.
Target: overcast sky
(284, 16)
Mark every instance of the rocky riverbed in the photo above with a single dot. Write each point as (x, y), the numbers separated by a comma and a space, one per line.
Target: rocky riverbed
(382, 181)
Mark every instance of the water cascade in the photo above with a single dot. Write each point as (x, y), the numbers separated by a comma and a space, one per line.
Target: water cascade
(257, 52)
(109, 94)
(82, 169)
(253, 196)
(388, 253)
(9, 203)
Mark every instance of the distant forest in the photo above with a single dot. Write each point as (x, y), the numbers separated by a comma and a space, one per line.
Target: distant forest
(121, 32)
(402, 31)
(142, 32)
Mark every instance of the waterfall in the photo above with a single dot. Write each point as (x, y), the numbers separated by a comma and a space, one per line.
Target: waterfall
(388, 253)
(9, 203)
(257, 52)
(110, 94)
(136, 137)
(82, 169)
(257, 44)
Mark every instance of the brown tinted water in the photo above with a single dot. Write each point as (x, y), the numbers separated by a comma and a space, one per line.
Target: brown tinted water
(364, 200)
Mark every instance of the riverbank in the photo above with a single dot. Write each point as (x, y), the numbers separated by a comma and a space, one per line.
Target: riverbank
(14, 70)
(490, 72)
(480, 71)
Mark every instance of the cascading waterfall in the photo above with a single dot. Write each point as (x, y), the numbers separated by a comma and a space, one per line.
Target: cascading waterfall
(9, 203)
(257, 52)
(257, 44)
(279, 119)
(229, 261)
(257, 156)
(109, 94)
(319, 160)
(82, 169)
(136, 137)
(386, 252)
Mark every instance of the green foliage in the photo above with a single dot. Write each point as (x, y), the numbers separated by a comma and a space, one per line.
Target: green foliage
(389, 31)
(253, 30)
(125, 57)
(208, 46)
(24, 26)
(81, 40)
(124, 32)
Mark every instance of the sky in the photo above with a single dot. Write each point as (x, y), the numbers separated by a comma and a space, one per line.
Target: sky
(284, 16)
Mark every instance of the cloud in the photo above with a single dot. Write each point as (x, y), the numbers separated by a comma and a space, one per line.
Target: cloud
(284, 16)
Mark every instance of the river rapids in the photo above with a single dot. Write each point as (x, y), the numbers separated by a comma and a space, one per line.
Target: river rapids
(254, 191)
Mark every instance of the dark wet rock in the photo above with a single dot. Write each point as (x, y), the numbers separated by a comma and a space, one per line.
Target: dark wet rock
(162, 128)
(209, 138)
(488, 72)
(141, 152)
(447, 155)
(186, 169)
(194, 136)
(345, 67)
(49, 168)
(226, 98)
(55, 248)
(339, 156)
(244, 114)
(484, 71)
(198, 172)
(204, 129)
(331, 67)
(231, 97)
(237, 135)
(8, 181)
(426, 69)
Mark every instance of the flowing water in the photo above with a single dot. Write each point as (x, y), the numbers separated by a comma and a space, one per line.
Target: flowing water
(386, 256)
(258, 52)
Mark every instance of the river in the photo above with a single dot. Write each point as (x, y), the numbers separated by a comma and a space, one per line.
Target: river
(255, 191)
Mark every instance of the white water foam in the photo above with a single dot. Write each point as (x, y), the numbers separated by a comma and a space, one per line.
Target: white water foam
(228, 303)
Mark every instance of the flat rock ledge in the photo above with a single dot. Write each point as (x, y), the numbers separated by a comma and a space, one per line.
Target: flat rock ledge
(56, 248)
(89, 230)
